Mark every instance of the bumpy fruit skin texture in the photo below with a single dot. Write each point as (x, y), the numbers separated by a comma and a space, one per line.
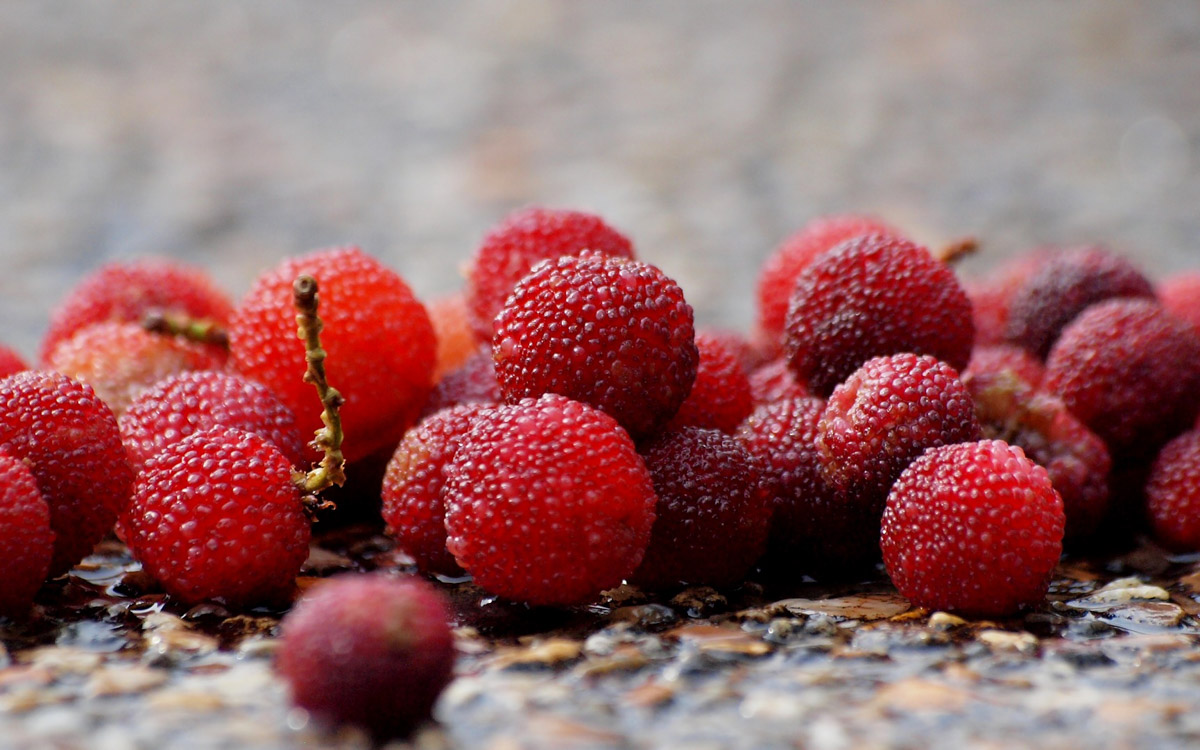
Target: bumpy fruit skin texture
(1066, 284)
(126, 292)
(26, 540)
(613, 333)
(1012, 410)
(874, 296)
(775, 381)
(412, 487)
(974, 528)
(713, 512)
(511, 249)
(990, 363)
(1130, 371)
(1180, 295)
(473, 382)
(1173, 493)
(192, 402)
(815, 529)
(720, 397)
(779, 272)
(378, 337)
(368, 650)
(120, 360)
(887, 413)
(217, 516)
(991, 297)
(10, 362)
(70, 440)
(548, 502)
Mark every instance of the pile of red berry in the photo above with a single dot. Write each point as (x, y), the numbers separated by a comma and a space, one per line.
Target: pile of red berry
(561, 427)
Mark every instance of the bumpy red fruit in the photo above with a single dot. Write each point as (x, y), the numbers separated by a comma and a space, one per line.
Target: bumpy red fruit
(1173, 493)
(815, 529)
(1130, 371)
(26, 541)
(720, 397)
(456, 342)
(887, 413)
(713, 511)
(10, 362)
(974, 528)
(378, 336)
(775, 381)
(70, 440)
(192, 402)
(996, 361)
(217, 516)
(370, 651)
(412, 487)
(126, 292)
(120, 360)
(1180, 295)
(614, 333)
(991, 297)
(473, 382)
(870, 297)
(548, 502)
(511, 249)
(1064, 285)
(779, 272)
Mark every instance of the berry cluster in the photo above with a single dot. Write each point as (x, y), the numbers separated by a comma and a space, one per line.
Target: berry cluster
(561, 427)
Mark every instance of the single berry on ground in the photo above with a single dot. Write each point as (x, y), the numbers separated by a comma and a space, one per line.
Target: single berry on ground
(1173, 493)
(720, 397)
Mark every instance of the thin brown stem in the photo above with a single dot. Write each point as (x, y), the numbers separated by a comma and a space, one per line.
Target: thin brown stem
(329, 438)
(200, 330)
(957, 250)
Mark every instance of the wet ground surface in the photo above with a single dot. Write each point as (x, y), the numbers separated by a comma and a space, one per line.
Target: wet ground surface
(1111, 659)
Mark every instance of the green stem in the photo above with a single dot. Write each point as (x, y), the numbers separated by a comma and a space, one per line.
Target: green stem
(329, 438)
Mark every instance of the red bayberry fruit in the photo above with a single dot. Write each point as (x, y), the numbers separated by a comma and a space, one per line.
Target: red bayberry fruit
(1180, 296)
(379, 339)
(720, 397)
(870, 297)
(975, 528)
(887, 413)
(1012, 410)
(217, 516)
(1130, 371)
(1173, 493)
(70, 440)
(815, 528)
(191, 402)
(991, 297)
(10, 362)
(775, 381)
(746, 352)
(370, 651)
(610, 332)
(412, 487)
(511, 249)
(120, 360)
(127, 292)
(548, 502)
(778, 275)
(989, 363)
(26, 541)
(1064, 285)
(713, 512)
(456, 342)
(474, 382)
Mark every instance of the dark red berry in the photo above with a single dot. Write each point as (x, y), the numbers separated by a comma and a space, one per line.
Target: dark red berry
(192, 402)
(217, 516)
(10, 362)
(127, 292)
(1173, 493)
(120, 360)
(713, 511)
(378, 336)
(975, 528)
(472, 382)
(991, 297)
(815, 529)
(548, 502)
(511, 249)
(412, 486)
(779, 272)
(370, 651)
(1130, 371)
(26, 541)
(871, 297)
(720, 397)
(1064, 285)
(613, 333)
(887, 413)
(69, 439)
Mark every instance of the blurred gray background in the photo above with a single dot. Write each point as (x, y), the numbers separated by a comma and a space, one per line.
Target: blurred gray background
(232, 134)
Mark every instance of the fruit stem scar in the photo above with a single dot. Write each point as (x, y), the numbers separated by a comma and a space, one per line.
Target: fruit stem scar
(957, 250)
(200, 330)
(329, 438)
